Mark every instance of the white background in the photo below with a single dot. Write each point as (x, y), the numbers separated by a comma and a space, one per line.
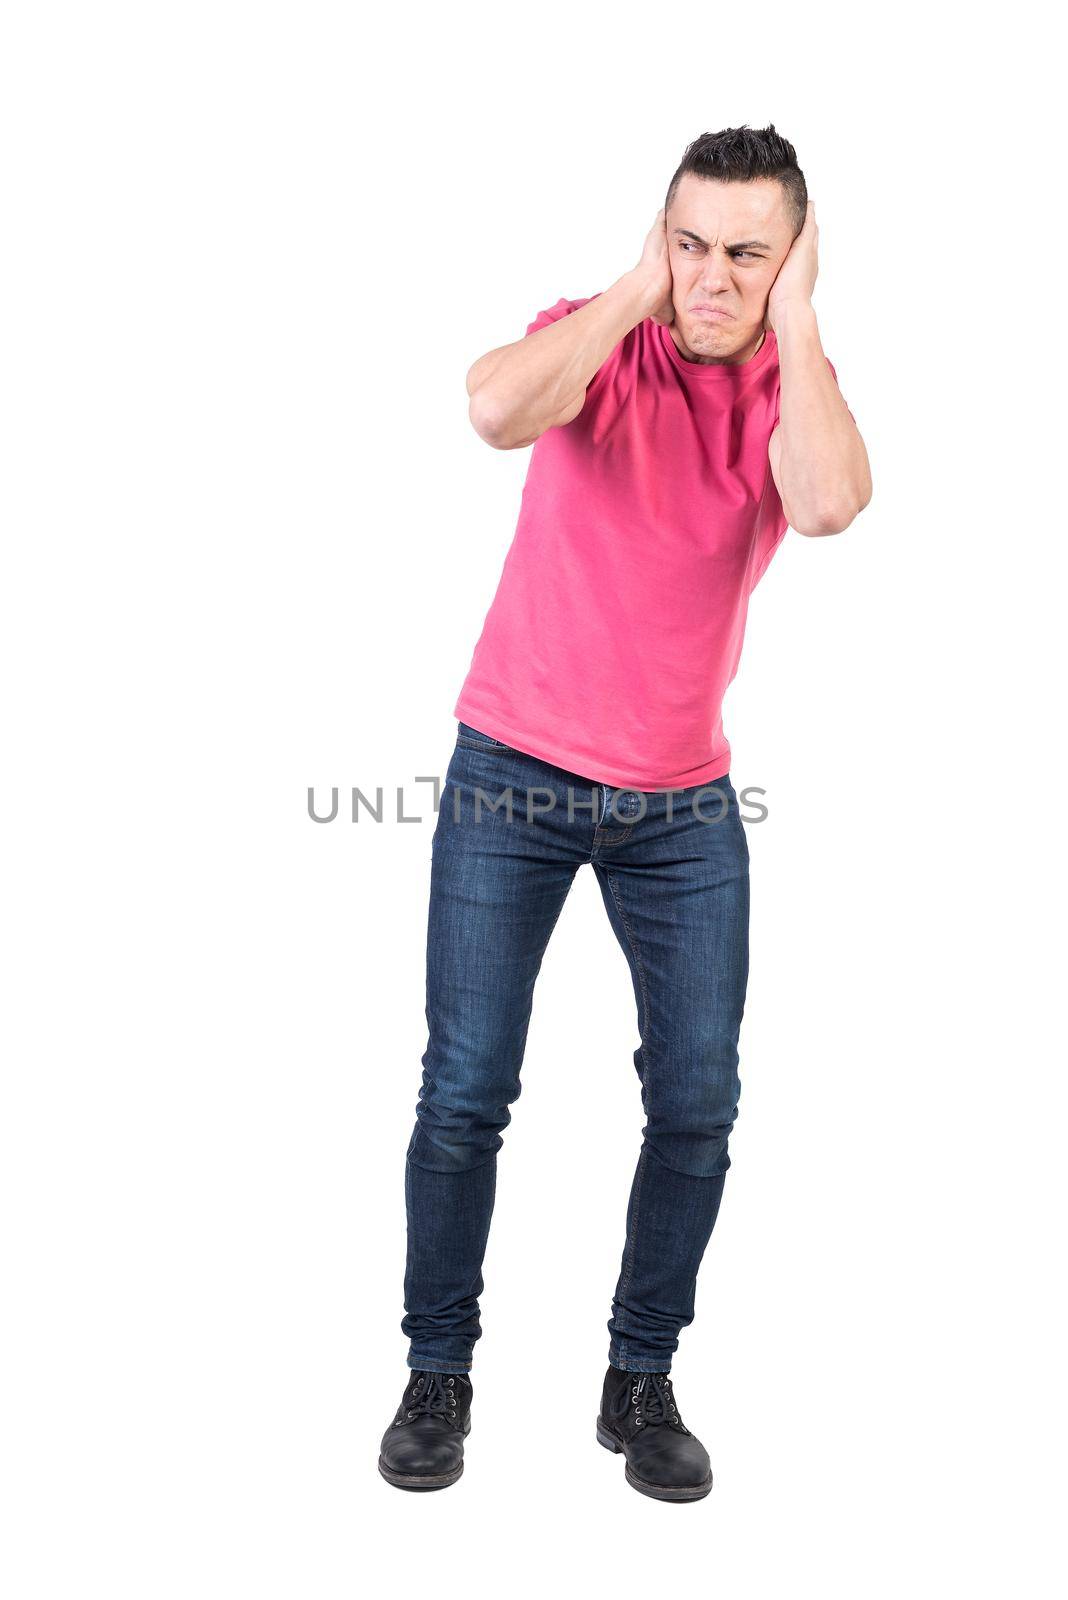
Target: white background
(250, 538)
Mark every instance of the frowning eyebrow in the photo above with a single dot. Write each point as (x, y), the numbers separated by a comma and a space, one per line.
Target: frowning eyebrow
(741, 244)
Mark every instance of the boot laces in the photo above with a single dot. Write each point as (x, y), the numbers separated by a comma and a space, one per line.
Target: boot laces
(653, 1400)
(435, 1395)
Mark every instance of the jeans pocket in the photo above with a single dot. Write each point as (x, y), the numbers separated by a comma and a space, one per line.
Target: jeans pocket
(476, 737)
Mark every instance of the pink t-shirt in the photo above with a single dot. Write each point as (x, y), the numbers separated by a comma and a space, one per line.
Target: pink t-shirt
(645, 524)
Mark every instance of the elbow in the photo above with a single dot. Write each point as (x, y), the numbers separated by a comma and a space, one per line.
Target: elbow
(834, 517)
(489, 423)
(823, 524)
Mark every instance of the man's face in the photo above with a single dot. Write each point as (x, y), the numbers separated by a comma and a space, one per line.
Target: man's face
(726, 242)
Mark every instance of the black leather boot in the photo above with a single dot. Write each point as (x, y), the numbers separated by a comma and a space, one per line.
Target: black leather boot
(423, 1447)
(639, 1418)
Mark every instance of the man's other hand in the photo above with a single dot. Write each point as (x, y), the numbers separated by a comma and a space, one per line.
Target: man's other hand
(653, 272)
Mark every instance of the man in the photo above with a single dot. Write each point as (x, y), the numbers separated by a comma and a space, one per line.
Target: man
(684, 417)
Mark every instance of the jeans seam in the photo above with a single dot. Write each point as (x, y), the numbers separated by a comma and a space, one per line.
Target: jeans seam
(663, 1364)
(418, 1365)
(633, 943)
(628, 1265)
(632, 1244)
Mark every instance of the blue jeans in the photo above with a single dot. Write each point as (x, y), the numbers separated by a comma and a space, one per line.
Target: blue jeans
(676, 889)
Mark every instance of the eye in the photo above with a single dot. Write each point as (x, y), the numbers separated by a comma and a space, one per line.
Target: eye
(750, 254)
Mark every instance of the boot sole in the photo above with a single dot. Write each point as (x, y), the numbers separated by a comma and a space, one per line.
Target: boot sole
(655, 1491)
(411, 1480)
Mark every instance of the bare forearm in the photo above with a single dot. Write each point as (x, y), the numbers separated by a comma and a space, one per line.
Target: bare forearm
(823, 464)
(523, 388)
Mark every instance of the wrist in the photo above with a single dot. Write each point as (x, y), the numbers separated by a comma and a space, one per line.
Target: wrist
(798, 313)
(642, 291)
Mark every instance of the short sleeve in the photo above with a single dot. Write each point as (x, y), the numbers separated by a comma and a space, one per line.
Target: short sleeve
(562, 308)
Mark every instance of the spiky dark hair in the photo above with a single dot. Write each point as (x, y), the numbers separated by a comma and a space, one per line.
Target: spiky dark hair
(738, 155)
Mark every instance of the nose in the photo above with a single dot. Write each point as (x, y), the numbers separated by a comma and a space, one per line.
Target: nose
(715, 275)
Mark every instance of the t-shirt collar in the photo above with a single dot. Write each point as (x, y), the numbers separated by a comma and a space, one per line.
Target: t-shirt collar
(702, 371)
